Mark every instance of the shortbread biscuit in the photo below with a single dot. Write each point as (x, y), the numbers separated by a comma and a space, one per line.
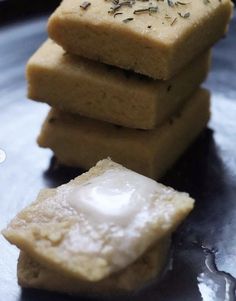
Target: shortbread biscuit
(99, 223)
(79, 141)
(99, 91)
(149, 267)
(154, 38)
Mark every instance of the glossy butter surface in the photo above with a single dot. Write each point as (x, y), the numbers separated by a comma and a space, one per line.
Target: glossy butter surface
(98, 223)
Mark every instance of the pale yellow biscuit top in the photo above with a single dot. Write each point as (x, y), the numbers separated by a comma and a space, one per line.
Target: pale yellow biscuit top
(154, 38)
(163, 21)
(99, 223)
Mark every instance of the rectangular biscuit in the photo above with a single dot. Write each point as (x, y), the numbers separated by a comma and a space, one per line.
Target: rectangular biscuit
(32, 274)
(98, 91)
(98, 224)
(154, 38)
(79, 141)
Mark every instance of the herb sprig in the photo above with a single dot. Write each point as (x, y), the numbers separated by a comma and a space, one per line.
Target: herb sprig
(149, 7)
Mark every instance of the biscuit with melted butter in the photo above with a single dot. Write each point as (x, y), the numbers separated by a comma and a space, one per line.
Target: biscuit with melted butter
(99, 223)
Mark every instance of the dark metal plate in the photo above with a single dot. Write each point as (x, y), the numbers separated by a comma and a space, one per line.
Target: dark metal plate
(204, 245)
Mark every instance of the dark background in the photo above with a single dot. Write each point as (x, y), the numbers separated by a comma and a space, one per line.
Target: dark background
(15, 9)
(12, 9)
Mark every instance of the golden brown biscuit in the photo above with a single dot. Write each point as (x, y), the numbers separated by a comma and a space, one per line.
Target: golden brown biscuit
(154, 38)
(80, 141)
(98, 91)
(99, 223)
(33, 275)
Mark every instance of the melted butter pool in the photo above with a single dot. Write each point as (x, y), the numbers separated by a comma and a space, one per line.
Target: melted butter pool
(115, 196)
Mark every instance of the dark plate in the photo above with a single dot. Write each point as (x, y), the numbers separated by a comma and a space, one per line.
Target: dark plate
(204, 245)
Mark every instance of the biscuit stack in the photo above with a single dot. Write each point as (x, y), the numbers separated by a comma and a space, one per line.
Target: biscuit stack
(123, 79)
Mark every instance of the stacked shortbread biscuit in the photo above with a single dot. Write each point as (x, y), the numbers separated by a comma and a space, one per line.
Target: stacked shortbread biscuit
(147, 113)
